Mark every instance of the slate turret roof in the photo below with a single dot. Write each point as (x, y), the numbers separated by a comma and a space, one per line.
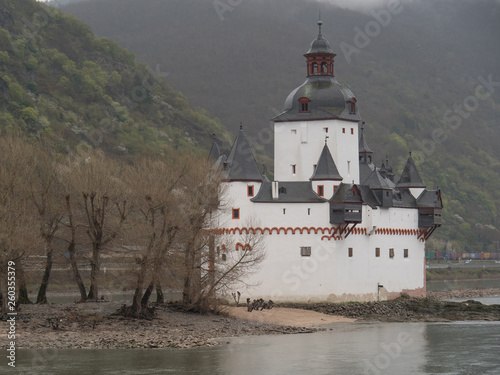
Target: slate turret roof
(430, 199)
(328, 100)
(410, 177)
(241, 164)
(376, 181)
(326, 168)
(320, 44)
(363, 147)
(353, 193)
(214, 153)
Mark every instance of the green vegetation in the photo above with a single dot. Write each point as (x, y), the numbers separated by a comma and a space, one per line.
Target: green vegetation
(60, 81)
(425, 62)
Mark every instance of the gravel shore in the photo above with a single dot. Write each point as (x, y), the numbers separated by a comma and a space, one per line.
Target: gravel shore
(92, 326)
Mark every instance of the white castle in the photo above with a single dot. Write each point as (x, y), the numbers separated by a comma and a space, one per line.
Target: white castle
(334, 226)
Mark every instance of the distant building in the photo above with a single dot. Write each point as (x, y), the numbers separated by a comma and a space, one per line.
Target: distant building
(335, 227)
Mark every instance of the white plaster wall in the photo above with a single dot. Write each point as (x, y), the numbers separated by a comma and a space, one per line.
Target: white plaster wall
(300, 143)
(330, 274)
(328, 187)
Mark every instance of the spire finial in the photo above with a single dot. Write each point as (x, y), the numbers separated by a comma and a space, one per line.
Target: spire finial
(319, 21)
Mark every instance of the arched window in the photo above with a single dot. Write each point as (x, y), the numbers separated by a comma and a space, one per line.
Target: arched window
(324, 67)
(331, 68)
(314, 68)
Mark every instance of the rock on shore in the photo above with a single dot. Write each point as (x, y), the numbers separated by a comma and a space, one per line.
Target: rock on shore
(407, 309)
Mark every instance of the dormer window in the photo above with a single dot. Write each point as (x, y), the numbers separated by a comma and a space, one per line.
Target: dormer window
(282, 190)
(304, 104)
(353, 106)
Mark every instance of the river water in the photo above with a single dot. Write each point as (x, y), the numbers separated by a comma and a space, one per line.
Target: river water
(465, 348)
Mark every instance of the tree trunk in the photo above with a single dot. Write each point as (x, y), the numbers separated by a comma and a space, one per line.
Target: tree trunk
(23, 289)
(211, 266)
(147, 294)
(160, 298)
(136, 307)
(94, 271)
(192, 279)
(42, 291)
(76, 273)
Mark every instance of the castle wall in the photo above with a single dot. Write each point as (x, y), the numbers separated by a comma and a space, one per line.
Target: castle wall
(330, 273)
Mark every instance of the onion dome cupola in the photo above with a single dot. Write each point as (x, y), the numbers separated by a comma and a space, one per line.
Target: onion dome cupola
(321, 96)
(320, 56)
(241, 164)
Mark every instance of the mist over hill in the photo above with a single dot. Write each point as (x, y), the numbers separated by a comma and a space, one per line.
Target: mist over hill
(425, 73)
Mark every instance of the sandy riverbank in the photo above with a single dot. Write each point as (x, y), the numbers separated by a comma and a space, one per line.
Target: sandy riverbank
(287, 317)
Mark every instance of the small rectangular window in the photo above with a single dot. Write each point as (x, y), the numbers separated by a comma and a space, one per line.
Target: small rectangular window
(391, 253)
(321, 190)
(236, 213)
(352, 130)
(350, 252)
(326, 130)
(250, 190)
(377, 252)
(284, 211)
(305, 251)
(343, 130)
(406, 253)
(309, 211)
(294, 168)
(293, 131)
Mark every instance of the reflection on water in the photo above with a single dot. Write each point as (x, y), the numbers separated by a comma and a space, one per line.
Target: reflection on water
(358, 348)
(465, 348)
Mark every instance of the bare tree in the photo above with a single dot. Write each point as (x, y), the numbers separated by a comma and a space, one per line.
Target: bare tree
(200, 199)
(17, 237)
(45, 193)
(230, 262)
(98, 191)
(156, 224)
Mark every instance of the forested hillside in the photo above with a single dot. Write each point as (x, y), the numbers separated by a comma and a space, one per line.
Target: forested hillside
(58, 80)
(426, 79)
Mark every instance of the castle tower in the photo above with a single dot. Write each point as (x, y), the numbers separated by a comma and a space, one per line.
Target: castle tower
(321, 107)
